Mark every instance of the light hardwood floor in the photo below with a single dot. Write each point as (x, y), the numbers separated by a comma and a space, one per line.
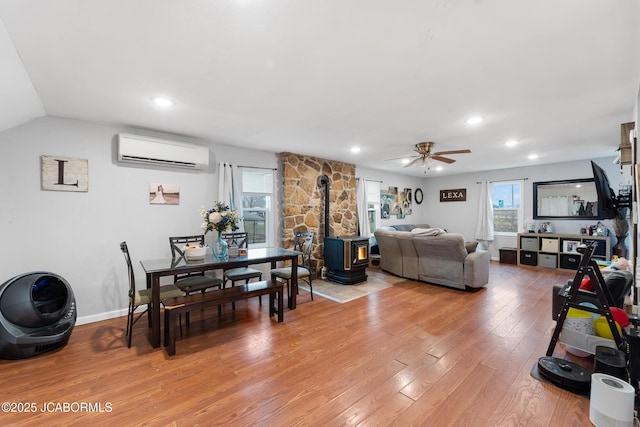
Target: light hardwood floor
(413, 354)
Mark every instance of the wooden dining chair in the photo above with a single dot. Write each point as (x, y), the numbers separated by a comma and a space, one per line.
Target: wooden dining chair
(302, 242)
(239, 238)
(196, 281)
(141, 297)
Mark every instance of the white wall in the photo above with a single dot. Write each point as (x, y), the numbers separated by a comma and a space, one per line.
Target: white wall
(418, 214)
(77, 235)
(460, 217)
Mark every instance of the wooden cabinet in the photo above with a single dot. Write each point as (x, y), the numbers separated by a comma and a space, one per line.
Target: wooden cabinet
(558, 250)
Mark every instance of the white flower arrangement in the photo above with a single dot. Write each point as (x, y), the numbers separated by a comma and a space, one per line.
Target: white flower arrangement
(221, 218)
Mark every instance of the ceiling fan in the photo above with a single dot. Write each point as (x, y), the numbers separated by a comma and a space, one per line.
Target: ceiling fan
(425, 157)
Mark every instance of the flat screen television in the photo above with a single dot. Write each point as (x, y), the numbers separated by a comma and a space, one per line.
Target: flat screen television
(607, 200)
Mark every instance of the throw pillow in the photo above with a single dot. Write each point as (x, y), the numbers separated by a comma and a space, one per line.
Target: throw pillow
(471, 246)
(403, 227)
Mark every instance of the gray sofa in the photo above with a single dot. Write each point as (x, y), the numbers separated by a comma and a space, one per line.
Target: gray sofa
(444, 259)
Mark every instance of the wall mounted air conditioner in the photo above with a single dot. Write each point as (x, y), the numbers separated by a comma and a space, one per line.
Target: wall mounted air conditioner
(147, 150)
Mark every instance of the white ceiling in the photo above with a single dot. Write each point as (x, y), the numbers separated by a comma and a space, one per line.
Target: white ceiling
(317, 77)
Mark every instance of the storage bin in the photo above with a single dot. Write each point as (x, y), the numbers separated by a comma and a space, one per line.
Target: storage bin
(570, 262)
(549, 245)
(601, 248)
(529, 244)
(528, 258)
(548, 261)
(584, 342)
(508, 256)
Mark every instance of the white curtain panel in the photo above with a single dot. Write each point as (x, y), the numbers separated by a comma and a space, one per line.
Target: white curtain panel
(225, 183)
(236, 193)
(484, 226)
(361, 203)
(276, 213)
(230, 188)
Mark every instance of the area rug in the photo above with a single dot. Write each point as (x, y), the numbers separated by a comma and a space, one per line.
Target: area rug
(376, 281)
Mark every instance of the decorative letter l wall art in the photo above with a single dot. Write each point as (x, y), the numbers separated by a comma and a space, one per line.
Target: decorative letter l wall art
(64, 173)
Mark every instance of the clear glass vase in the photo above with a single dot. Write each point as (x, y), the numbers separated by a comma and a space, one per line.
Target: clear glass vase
(220, 249)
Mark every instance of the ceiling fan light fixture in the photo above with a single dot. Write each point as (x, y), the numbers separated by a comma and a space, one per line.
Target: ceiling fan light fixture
(162, 101)
(426, 161)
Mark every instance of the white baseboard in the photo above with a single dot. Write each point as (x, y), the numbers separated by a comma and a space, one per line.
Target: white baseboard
(102, 316)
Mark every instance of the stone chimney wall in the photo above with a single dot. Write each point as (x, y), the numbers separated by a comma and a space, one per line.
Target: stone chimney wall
(302, 198)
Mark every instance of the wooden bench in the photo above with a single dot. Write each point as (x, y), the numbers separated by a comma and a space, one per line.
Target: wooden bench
(173, 307)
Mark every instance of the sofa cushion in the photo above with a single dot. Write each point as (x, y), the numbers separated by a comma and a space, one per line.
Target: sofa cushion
(447, 247)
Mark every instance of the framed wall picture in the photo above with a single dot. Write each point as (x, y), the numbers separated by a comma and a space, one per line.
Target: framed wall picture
(61, 173)
(570, 246)
(456, 195)
(388, 202)
(407, 200)
(164, 194)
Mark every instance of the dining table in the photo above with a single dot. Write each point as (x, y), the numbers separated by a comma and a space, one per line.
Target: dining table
(157, 268)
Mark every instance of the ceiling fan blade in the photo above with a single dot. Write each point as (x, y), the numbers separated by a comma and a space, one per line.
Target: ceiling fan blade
(400, 158)
(442, 159)
(452, 152)
(412, 162)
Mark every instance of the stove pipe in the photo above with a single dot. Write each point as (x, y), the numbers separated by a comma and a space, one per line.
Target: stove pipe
(324, 180)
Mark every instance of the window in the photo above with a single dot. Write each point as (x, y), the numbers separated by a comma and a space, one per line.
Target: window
(507, 207)
(257, 209)
(373, 203)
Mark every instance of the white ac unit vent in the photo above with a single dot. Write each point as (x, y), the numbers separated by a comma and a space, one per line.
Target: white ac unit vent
(147, 150)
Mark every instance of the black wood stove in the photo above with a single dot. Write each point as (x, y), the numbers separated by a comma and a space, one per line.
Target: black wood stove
(346, 259)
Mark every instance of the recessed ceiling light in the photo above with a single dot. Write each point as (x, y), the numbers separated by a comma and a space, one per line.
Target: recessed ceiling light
(511, 143)
(405, 161)
(474, 120)
(533, 156)
(439, 168)
(162, 102)
(355, 149)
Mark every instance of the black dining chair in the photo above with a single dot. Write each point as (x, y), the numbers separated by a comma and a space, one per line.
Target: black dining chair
(141, 297)
(239, 239)
(302, 242)
(196, 281)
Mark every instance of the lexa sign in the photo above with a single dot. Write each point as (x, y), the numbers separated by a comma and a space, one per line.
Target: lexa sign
(457, 195)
